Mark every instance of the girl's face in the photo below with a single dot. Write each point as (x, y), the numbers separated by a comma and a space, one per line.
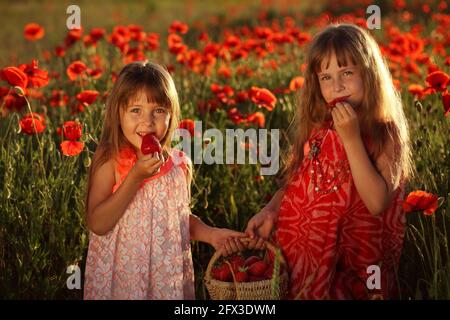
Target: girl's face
(142, 117)
(336, 82)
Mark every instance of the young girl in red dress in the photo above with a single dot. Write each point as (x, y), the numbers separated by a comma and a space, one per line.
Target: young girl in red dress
(338, 215)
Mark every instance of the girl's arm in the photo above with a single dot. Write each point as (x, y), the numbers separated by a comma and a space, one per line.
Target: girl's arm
(106, 208)
(216, 237)
(376, 185)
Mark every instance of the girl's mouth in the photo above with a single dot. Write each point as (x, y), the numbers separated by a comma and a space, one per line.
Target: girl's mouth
(332, 103)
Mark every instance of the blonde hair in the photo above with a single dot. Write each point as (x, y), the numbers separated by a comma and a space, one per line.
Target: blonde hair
(381, 113)
(159, 86)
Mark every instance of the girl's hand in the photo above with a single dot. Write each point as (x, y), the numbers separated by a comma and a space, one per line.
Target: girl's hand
(346, 121)
(147, 166)
(226, 240)
(260, 226)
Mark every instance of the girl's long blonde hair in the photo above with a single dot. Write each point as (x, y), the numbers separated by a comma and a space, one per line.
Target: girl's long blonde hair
(156, 81)
(381, 115)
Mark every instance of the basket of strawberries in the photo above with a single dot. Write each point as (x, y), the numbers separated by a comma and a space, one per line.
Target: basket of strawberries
(247, 276)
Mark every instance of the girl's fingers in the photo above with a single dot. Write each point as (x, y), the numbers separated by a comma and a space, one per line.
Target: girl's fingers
(260, 244)
(233, 246)
(251, 244)
(350, 111)
(239, 244)
(227, 248)
(337, 112)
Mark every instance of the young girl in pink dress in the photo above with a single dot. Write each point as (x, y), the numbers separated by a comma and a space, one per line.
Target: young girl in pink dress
(138, 209)
(338, 216)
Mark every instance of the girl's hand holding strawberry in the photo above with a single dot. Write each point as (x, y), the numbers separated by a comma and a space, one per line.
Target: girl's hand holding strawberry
(147, 166)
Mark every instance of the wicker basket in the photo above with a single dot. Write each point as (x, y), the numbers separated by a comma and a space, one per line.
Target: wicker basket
(257, 290)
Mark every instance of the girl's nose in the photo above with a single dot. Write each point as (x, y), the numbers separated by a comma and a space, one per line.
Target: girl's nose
(338, 85)
(149, 118)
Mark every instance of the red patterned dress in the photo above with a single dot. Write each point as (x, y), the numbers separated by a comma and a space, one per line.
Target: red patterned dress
(326, 233)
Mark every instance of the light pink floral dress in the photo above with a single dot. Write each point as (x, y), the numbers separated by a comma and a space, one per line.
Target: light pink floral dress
(147, 255)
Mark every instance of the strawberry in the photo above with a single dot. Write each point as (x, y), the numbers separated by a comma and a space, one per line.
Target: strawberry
(332, 103)
(241, 276)
(257, 269)
(237, 262)
(251, 260)
(224, 273)
(150, 144)
(215, 273)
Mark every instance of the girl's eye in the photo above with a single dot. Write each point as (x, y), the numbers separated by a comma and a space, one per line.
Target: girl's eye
(160, 110)
(135, 110)
(324, 78)
(348, 73)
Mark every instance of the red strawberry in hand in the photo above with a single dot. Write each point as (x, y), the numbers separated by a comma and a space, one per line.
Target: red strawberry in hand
(150, 144)
(332, 103)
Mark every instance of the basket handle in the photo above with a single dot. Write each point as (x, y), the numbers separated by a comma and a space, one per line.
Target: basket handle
(219, 253)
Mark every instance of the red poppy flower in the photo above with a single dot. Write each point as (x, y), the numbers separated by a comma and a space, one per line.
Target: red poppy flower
(36, 78)
(203, 37)
(257, 118)
(14, 76)
(437, 80)
(263, 32)
(71, 148)
(235, 115)
(60, 51)
(58, 98)
(446, 102)
(416, 90)
(76, 69)
(231, 41)
(73, 36)
(72, 130)
(210, 105)
(97, 34)
(296, 83)
(87, 97)
(223, 93)
(32, 123)
(152, 41)
(178, 27)
(263, 98)
(11, 100)
(33, 32)
(136, 32)
(224, 71)
(242, 96)
(175, 43)
(95, 73)
(421, 201)
(187, 124)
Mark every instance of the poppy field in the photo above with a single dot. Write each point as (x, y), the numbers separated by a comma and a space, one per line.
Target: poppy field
(231, 71)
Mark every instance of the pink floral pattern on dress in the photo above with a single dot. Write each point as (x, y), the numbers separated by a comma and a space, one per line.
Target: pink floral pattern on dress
(147, 255)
